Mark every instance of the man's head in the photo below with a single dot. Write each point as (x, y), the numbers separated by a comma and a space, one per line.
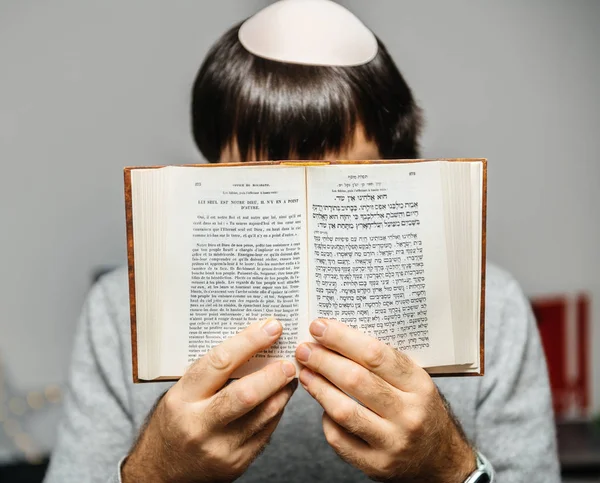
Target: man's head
(245, 108)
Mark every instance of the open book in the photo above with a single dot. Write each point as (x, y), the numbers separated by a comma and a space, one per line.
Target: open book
(393, 248)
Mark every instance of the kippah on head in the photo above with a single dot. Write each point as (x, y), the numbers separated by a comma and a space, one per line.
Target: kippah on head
(309, 32)
(298, 80)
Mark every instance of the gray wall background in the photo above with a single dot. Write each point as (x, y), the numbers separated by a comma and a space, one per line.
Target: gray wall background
(89, 87)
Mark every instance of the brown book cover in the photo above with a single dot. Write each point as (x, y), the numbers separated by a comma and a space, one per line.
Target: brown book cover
(131, 257)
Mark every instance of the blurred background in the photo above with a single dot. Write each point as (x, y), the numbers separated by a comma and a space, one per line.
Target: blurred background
(87, 88)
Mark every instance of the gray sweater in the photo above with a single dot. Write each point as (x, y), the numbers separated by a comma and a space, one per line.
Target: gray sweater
(506, 414)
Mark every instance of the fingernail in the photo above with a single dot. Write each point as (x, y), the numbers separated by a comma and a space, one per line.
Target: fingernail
(306, 376)
(317, 328)
(288, 369)
(272, 327)
(303, 353)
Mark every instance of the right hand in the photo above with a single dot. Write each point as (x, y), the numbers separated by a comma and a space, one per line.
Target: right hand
(202, 431)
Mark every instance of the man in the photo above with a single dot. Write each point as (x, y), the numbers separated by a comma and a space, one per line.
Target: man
(381, 413)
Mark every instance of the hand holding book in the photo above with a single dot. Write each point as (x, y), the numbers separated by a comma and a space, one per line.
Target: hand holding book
(402, 430)
(202, 431)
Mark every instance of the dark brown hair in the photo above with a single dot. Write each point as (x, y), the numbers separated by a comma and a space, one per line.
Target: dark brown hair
(276, 110)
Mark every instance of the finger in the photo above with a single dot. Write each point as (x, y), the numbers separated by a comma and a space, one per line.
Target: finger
(256, 420)
(352, 378)
(351, 449)
(243, 395)
(391, 365)
(346, 412)
(211, 372)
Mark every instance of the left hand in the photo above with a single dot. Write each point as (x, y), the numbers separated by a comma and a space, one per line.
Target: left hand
(404, 430)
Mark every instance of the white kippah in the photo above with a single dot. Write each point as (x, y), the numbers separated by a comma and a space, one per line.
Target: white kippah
(310, 32)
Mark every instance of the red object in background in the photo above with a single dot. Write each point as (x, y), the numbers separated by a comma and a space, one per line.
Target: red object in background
(581, 386)
(551, 314)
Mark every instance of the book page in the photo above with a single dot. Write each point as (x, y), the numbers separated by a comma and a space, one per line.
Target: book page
(236, 253)
(377, 255)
